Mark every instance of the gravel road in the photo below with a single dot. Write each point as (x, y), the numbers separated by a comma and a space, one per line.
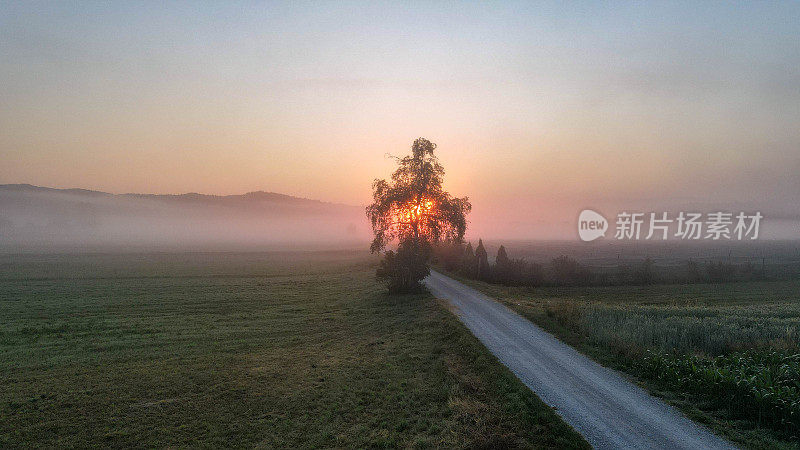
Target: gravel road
(608, 410)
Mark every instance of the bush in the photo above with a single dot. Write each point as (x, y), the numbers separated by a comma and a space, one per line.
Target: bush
(469, 263)
(403, 270)
(483, 270)
(567, 271)
(449, 255)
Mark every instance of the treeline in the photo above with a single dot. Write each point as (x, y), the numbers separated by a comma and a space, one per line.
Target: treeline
(566, 271)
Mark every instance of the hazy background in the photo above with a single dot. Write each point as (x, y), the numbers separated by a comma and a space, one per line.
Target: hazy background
(539, 110)
(42, 219)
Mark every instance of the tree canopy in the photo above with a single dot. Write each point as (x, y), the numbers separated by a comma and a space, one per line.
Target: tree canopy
(414, 210)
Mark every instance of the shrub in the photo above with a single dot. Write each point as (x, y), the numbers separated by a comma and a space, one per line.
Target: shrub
(402, 271)
(482, 261)
(567, 271)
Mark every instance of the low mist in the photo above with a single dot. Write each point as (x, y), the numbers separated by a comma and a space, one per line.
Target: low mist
(42, 219)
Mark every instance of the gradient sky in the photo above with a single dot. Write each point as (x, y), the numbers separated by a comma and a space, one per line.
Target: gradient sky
(538, 109)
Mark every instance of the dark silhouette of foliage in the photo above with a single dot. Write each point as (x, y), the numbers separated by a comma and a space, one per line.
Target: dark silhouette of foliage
(450, 255)
(403, 269)
(483, 262)
(503, 268)
(469, 264)
(502, 257)
(413, 210)
(516, 272)
(644, 273)
(531, 274)
(567, 271)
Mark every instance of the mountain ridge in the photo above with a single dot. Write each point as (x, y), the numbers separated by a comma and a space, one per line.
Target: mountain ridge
(253, 196)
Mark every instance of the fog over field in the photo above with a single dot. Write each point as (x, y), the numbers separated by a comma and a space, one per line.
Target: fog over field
(37, 219)
(41, 219)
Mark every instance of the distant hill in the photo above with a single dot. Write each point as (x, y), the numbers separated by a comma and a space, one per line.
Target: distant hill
(39, 217)
(252, 197)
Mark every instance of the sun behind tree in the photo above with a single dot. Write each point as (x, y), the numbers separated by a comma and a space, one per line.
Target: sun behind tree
(413, 210)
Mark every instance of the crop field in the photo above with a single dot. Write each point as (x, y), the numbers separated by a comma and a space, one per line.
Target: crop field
(254, 350)
(727, 354)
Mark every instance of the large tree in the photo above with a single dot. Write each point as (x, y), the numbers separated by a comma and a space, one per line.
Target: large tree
(413, 211)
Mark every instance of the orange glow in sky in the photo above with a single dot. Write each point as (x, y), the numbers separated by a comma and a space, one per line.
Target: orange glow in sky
(538, 110)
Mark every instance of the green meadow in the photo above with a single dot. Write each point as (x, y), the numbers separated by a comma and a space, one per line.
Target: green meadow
(245, 350)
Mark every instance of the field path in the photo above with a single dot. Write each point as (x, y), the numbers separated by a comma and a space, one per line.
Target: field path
(609, 411)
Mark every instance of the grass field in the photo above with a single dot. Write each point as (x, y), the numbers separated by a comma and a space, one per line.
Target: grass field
(245, 350)
(728, 354)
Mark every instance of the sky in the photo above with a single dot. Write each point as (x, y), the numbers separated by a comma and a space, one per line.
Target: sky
(538, 109)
